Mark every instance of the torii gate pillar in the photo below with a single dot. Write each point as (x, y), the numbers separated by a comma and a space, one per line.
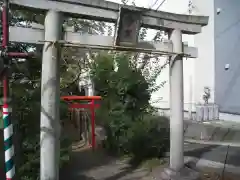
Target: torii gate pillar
(176, 103)
(50, 92)
(177, 170)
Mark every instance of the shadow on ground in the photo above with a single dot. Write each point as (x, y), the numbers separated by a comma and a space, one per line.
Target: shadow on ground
(88, 159)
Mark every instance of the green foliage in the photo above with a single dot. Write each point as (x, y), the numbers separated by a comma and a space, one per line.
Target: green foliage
(27, 113)
(117, 81)
(148, 138)
(116, 131)
(130, 127)
(132, 87)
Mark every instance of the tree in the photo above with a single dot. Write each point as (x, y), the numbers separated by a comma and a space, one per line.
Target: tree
(117, 79)
(125, 108)
(124, 92)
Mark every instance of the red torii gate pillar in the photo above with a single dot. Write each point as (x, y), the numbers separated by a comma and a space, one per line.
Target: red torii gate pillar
(90, 106)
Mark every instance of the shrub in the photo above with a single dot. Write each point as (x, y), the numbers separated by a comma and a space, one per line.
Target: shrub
(142, 139)
(148, 138)
(116, 127)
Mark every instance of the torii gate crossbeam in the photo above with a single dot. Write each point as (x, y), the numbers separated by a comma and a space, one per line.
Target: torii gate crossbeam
(175, 24)
(108, 11)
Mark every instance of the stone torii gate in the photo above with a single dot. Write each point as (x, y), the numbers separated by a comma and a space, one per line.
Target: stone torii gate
(53, 34)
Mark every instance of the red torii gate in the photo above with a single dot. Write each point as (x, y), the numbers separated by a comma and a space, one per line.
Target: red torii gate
(90, 105)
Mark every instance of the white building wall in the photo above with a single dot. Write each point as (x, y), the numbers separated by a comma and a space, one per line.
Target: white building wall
(204, 65)
(175, 6)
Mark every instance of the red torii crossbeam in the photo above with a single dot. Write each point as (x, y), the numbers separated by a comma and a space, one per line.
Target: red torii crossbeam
(90, 106)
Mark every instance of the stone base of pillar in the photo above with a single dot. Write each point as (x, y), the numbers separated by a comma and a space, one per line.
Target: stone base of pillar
(185, 173)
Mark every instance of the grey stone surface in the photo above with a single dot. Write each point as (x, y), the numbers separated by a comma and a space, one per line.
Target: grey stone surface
(214, 131)
(96, 165)
(214, 153)
(199, 131)
(236, 136)
(184, 174)
(230, 136)
(108, 11)
(220, 134)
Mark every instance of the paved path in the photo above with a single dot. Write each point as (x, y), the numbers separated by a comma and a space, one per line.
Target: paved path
(214, 156)
(88, 165)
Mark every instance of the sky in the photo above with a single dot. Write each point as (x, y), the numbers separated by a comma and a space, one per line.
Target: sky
(174, 6)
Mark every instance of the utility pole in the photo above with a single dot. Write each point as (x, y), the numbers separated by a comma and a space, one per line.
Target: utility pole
(50, 98)
(176, 102)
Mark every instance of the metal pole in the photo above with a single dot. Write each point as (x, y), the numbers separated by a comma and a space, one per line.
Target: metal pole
(8, 127)
(50, 93)
(176, 103)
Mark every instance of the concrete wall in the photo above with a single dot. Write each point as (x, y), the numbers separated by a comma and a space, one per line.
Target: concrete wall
(227, 51)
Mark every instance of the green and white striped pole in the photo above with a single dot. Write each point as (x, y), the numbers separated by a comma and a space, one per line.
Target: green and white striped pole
(8, 143)
(6, 56)
(8, 127)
